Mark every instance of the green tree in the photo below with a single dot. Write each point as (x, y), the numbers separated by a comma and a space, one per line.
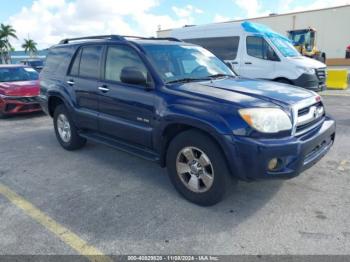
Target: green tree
(6, 32)
(30, 47)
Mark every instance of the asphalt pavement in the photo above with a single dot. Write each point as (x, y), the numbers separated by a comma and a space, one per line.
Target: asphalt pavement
(53, 201)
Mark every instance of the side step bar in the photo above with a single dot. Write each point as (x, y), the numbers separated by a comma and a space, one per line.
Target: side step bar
(121, 145)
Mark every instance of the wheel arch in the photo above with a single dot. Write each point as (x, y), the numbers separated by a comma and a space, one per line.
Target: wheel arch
(175, 128)
(55, 99)
(53, 102)
(283, 80)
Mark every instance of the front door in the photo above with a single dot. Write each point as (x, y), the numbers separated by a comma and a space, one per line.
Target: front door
(258, 58)
(126, 110)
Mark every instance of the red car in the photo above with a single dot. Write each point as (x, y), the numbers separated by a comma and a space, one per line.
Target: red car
(19, 88)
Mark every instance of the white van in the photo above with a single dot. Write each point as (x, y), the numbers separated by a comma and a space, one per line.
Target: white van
(255, 51)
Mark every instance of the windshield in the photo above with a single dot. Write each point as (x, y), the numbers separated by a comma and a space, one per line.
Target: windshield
(18, 74)
(285, 47)
(305, 38)
(36, 63)
(177, 62)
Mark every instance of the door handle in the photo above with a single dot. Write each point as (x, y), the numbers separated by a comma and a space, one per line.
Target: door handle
(104, 89)
(248, 63)
(70, 82)
(234, 63)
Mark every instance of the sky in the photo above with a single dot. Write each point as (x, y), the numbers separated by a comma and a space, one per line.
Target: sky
(48, 21)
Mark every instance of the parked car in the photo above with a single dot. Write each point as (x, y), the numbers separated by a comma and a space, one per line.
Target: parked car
(177, 104)
(19, 88)
(35, 63)
(347, 55)
(255, 51)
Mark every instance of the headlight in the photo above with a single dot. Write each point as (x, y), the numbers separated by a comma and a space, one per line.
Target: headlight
(266, 120)
(307, 70)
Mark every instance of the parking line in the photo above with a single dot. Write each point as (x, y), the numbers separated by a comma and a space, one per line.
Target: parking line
(68, 237)
(342, 165)
(328, 94)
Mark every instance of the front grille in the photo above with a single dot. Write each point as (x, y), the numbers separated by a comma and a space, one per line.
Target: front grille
(30, 107)
(10, 107)
(309, 117)
(306, 110)
(32, 99)
(321, 75)
(306, 126)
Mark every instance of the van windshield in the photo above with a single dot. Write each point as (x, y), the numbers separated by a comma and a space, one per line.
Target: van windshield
(285, 47)
(186, 62)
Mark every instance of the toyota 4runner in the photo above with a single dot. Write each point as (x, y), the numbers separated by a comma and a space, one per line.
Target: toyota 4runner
(177, 104)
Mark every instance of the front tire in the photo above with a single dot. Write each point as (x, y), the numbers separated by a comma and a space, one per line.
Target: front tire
(3, 116)
(66, 131)
(197, 168)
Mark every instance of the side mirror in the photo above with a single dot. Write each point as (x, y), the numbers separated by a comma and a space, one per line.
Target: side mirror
(132, 75)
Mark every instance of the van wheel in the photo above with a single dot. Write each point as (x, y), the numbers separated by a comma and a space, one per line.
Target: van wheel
(66, 132)
(197, 168)
(284, 81)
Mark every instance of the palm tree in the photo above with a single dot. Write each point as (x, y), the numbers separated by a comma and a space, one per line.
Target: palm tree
(6, 32)
(30, 47)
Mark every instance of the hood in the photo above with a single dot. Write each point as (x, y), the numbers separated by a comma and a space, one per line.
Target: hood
(21, 88)
(249, 92)
(306, 62)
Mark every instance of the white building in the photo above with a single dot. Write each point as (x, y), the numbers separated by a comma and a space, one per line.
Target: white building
(332, 25)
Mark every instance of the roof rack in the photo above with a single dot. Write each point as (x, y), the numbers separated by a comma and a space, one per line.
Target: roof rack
(153, 38)
(112, 37)
(117, 37)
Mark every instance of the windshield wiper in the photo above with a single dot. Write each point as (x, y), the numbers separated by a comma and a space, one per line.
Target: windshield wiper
(221, 75)
(186, 80)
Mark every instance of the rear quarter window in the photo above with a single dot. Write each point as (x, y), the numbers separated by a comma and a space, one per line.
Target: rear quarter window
(58, 60)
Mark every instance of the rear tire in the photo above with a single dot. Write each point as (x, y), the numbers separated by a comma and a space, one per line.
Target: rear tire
(197, 168)
(66, 131)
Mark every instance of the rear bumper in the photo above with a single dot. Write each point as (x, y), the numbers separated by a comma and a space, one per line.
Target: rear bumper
(249, 157)
(10, 105)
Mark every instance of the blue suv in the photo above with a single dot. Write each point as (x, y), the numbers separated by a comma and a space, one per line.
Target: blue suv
(177, 104)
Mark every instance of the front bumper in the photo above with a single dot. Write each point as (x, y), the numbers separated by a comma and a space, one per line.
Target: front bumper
(10, 105)
(311, 82)
(250, 157)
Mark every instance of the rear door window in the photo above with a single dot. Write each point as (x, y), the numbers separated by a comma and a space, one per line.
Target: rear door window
(90, 61)
(74, 70)
(225, 48)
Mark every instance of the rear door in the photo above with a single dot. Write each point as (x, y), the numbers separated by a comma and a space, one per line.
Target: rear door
(259, 60)
(126, 110)
(83, 77)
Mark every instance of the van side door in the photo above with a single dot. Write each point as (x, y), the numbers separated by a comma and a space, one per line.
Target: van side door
(126, 110)
(259, 59)
(226, 48)
(83, 77)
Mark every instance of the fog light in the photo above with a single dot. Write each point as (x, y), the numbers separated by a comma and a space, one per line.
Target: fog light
(273, 164)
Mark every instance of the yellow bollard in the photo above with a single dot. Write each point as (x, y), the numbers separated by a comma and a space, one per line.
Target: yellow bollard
(337, 79)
